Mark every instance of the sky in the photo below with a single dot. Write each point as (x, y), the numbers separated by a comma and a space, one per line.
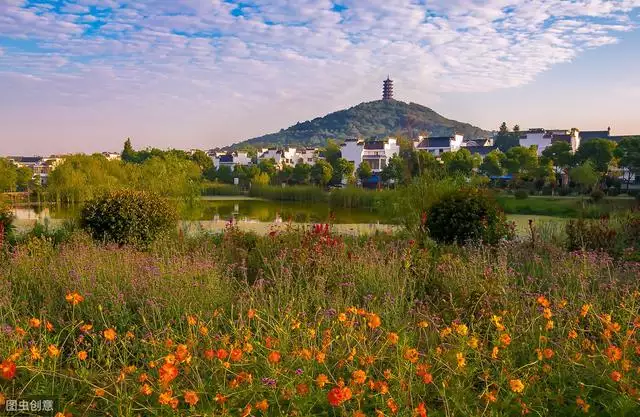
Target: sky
(83, 75)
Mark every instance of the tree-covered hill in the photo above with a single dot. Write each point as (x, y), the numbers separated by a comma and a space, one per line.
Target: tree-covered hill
(374, 119)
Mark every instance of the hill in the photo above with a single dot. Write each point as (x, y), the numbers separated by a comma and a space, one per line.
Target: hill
(375, 119)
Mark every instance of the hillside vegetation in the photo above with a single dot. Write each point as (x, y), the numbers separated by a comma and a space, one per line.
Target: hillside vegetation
(374, 119)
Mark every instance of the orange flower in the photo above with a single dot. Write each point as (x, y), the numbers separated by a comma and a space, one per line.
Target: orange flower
(549, 325)
(35, 353)
(48, 326)
(473, 342)
(85, 328)
(7, 370)
(393, 406)
(547, 313)
(338, 395)
(516, 385)
(274, 357)
(191, 398)
(548, 353)
(542, 300)
(251, 313)
(191, 320)
(321, 380)
(320, 357)
(359, 376)
(423, 324)
(53, 351)
(494, 352)
(34, 322)
(220, 399)
(222, 354)
(420, 411)
(461, 329)
(262, 405)
(616, 376)
(584, 310)
(572, 334)
(74, 298)
(209, 354)
(99, 392)
(168, 372)
(505, 339)
(302, 389)
(423, 372)
(247, 411)
(82, 355)
(166, 397)
(583, 405)
(182, 354)
(614, 353)
(411, 355)
(393, 338)
(146, 390)
(236, 355)
(462, 362)
(374, 321)
(109, 334)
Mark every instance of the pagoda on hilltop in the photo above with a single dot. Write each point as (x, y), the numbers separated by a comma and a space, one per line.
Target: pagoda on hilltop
(387, 89)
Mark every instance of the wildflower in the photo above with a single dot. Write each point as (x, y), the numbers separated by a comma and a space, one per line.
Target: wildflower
(505, 339)
(109, 334)
(34, 322)
(302, 389)
(547, 313)
(295, 324)
(614, 353)
(373, 321)
(387, 374)
(445, 332)
(246, 411)
(583, 405)
(516, 385)
(462, 362)
(191, 320)
(542, 300)
(490, 397)
(74, 298)
(53, 351)
(7, 370)
(411, 355)
(48, 326)
(359, 376)
(251, 313)
(626, 365)
(35, 353)
(615, 376)
(393, 406)
(146, 390)
(86, 328)
(168, 372)
(393, 338)
(420, 411)
(129, 336)
(342, 317)
(336, 396)
(497, 321)
(359, 413)
(473, 342)
(548, 353)
(262, 405)
(99, 392)
(572, 334)
(320, 357)
(203, 330)
(494, 352)
(191, 398)
(220, 399)
(182, 354)
(423, 372)
(321, 380)
(247, 348)
(423, 324)
(549, 325)
(235, 355)
(461, 329)
(274, 357)
(82, 355)
(221, 354)
(166, 397)
(562, 303)
(584, 310)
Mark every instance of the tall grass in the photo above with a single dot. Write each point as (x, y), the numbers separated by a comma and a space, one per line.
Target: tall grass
(354, 197)
(306, 193)
(563, 206)
(217, 189)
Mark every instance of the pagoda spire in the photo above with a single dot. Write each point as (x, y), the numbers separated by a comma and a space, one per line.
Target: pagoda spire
(387, 89)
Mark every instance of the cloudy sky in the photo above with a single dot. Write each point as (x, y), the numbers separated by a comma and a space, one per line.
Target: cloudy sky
(82, 75)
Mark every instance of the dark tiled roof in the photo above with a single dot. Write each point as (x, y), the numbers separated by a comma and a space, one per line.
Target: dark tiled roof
(27, 159)
(481, 150)
(594, 134)
(437, 142)
(226, 158)
(561, 138)
(374, 145)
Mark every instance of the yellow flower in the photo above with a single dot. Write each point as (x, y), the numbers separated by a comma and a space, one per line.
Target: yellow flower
(53, 351)
(359, 376)
(572, 334)
(445, 332)
(35, 353)
(549, 325)
(411, 355)
(473, 342)
(321, 380)
(461, 360)
(191, 320)
(423, 324)
(547, 313)
(516, 385)
(494, 352)
(146, 390)
(505, 339)
(461, 329)
(342, 317)
(585, 309)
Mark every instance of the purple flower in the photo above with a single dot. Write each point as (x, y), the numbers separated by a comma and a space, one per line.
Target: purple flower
(270, 382)
(299, 371)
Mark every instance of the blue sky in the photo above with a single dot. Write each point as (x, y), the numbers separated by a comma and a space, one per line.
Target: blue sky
(82, 75)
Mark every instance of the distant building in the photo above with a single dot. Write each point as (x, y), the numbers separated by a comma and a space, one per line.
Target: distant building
(543, 138)
(41, 166)
(387, 89)
(112, 156)
(375, 153)
(231, 159)
(439, 145)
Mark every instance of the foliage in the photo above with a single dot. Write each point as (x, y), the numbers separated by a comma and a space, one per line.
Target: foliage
(128, 217)
(364, 171)
(423, 163)
(356, 197)
(301, 174)
(321, 173)
(506, 140)
(261, 179)
(8, 175)
(597, 195)
(520, 160)
(224, 174)
(628, 153)
(585, 175)
(599, 152)
(560, 153)
(492, 164)
(394, 171)
(461, 162)
(216, 189)
(342, 170)
(466, 215)
(6, 223)
(521, 194)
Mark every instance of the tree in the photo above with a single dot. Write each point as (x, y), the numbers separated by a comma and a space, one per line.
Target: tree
(364, 171)
(460, 162)
(8, 175)
(422, 162)
(24, 178)
(492, 164)
(394, 171)
(506, 140)
(585, 175)
(520, 160)
(332, 153)
(342, 169)
(203, 160)
(560, 153)
(268, 166)
(261, 179)
(599, 152)
(300, 174)
(224, 174)
(545, 173)
(128, 154)
(321, 173)
(628, 153)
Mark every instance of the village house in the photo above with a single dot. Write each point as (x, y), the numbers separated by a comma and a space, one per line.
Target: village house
(375, 153)
(439, 145)
(231, 159)
(41, 166)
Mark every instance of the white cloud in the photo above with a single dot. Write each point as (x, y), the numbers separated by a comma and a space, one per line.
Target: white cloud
(300, 54)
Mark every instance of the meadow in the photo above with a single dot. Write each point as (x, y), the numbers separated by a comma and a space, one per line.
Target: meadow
(306, 322)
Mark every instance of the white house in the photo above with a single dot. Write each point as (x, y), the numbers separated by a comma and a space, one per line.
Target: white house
(231, 159)
(307, 156)
(439, 145)
(543, 138)
(41, 166)
(112, 156)
(283, 157)
(376, 153)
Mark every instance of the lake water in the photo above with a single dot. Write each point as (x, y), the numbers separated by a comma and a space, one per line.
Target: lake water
(226, 209)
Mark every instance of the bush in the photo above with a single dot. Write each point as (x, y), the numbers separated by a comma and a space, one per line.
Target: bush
(128, 217)
(467, 215)
(521, 194)
(597, 195)
(6, 223)
(591, 235)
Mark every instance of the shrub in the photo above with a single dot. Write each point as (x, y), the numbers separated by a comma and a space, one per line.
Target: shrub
(521, 194)
(597, 195)
(6, 223)
(467, 215)
(128, 217)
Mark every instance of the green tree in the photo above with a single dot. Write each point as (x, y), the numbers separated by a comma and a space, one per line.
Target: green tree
(460, 162)
(300, 174)
(128, 153)
(423, 162)
(24, 178)
(261, 179)
(628, 153)
(520, 160)
(599, 152)
(268, 166)
(364, 171)
(342, 169)
(585, 175)
(203, 160)
(224, 174)
(8, 175)
(332, 153)
(492, 164)
(560, 153)
(321, 172)
(506, 140)
(394, 171)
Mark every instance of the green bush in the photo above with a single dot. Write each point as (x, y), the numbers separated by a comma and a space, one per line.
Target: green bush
(467, 215)
(521, 194)
(597, 195)
(592, 235)
(128, 217)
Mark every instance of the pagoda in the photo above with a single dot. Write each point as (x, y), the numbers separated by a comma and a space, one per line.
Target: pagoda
(387, 89)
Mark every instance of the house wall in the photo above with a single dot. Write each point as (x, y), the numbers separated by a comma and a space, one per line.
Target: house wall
(352, 151)
(537, 139)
